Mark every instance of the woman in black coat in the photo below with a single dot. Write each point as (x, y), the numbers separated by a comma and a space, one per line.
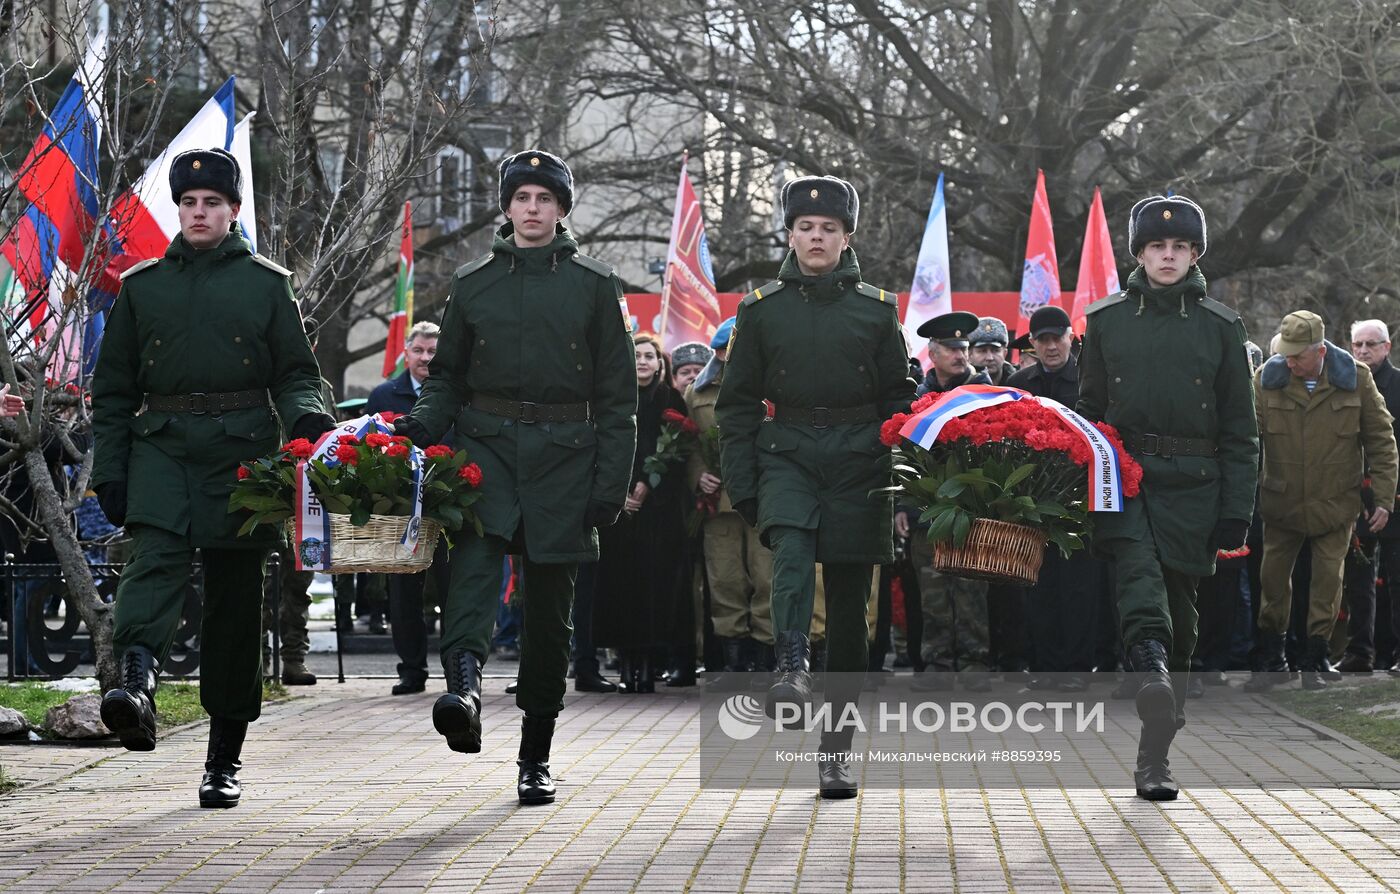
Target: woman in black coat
(640, 563)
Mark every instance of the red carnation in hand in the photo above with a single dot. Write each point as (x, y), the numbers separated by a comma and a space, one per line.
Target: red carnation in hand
(438, 451)
(471, 474)
(889, 431)
(397, 451)
(348, 455)
(347, 439)
(243, 472)
(376, 440)
(300, 448)
(389, 415)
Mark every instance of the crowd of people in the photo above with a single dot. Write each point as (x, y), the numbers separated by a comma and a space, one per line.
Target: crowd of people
(652, 510)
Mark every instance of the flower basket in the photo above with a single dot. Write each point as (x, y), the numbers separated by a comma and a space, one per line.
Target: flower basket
(374, 547)
(995, 551)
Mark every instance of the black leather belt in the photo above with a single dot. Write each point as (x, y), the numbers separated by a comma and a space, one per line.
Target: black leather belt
(529, 412)
(1169, 445)
(214, 402)
(825, 417)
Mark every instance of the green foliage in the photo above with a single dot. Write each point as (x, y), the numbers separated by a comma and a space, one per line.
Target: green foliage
(1004, 481)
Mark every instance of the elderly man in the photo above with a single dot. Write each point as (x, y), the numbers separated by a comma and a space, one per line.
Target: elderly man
(1322, 424)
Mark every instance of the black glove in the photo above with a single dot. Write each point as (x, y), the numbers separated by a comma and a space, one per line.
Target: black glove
(111, 496)
(601, 515)
(408, 427)
(312, 426)
(1229, 534)
(748, 511)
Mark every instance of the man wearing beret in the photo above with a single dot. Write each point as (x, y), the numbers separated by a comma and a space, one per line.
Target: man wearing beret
(738, 566)
(986, 348)
(1311, 488)
(826, 351)
(553, 428)
(204, 365)
(1190, 423)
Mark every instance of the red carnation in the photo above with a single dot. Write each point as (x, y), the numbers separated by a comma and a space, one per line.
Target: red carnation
(376, 440)
(347, 439)
(471, 474)
(389, 415)
(300, 448)
(400, 439)
(438, 451)
(243, 472)
(347, 454)
(923, 403)
(889, 431)
(397, 451)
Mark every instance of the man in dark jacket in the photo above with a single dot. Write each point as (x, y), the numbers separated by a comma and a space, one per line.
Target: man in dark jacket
(406, 622)
(986, 348)
(203, 353)
(1370, 343)
(535, 366)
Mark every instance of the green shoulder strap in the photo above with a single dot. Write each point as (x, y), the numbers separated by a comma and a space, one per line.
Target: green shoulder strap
(758, 294)
(594, 265)
(471, 267)
(1106, 302)
(138, 267)
(1220, 310)
(879, 294)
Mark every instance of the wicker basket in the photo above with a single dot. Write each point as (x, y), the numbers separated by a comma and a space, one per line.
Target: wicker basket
(374, 546)
(995, 551)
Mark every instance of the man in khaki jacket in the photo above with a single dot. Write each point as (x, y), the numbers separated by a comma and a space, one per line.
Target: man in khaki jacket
(1322, 424)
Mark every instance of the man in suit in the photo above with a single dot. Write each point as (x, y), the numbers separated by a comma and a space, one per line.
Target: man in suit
(406, 622)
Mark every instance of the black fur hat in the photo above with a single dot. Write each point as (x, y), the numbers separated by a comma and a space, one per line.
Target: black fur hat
(827, 196)
(1161, 217)
(206, 169)
(540, 168)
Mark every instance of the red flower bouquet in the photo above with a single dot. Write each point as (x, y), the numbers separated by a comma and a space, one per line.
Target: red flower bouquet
(1017, 462)
(678, 437)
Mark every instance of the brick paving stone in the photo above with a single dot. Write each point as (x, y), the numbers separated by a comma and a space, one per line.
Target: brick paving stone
(348, 789)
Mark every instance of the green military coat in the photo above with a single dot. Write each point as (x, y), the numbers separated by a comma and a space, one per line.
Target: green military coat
(198, 321)
(544, 325)
(1172, 362)
(802, 342)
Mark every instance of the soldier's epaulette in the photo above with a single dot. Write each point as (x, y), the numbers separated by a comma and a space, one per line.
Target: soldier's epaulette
(271, 265)
(138, 267)
(1106, 302)
(879, 294)
(471, 267)
(1220, 310)
(594, 265)
(758, 294)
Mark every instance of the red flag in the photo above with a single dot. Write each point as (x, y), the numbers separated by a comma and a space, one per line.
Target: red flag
(402, 317)
(1040, 276)
(689, 305)
(1098, 275)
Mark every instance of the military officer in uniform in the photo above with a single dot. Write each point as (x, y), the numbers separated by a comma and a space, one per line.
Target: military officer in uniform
(535, 367)
(986, 346)
(826, 350)
(956, 632)
(204, 352)
(1190, 423)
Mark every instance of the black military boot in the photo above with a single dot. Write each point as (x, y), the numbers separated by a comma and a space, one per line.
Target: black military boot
(1273, 664)
(646, 673)
(734, 655)
(835, 780)
(130, 711)
(457, 713)
(1329, 671)
(1314, 664)
(535, 786)
(588, 678)
(794, 683)
(1153, 775)
(1156, 700)
(220, 787)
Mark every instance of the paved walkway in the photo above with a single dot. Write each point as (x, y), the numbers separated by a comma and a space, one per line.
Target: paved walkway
(348, 789)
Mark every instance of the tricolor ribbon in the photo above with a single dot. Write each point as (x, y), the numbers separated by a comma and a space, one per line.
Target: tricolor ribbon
(1105, 476)
(313, 522)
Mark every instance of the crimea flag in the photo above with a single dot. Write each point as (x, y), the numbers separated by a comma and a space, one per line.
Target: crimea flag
(402, 317)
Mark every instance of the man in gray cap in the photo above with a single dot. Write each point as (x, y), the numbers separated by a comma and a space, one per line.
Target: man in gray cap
(1309, 488)
(686, 362)
(986, 348)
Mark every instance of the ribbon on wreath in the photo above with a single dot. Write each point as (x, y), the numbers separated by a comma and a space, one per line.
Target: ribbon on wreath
(1105, 476)
(313, 522)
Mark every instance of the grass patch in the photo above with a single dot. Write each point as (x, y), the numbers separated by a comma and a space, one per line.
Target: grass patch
(1341, 707)
(7, 783)
(176, 703)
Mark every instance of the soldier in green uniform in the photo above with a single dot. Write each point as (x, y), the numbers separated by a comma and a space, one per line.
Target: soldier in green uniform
(1188, 418)
(826, 350)
(203, 353)
(535, 366)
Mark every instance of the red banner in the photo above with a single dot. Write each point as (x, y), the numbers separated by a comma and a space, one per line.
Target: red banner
(690, 309)
(1040, 275)
(1098, 277)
